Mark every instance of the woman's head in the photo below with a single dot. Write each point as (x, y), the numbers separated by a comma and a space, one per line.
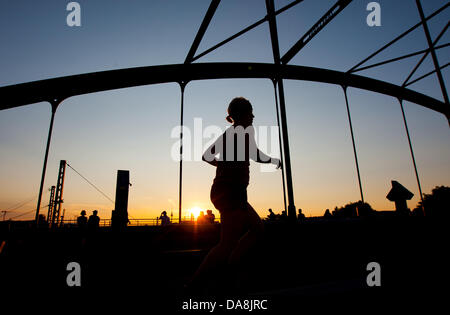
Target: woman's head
(240, 112)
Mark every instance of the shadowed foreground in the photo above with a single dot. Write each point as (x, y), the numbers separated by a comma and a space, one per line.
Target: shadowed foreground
(320, 263)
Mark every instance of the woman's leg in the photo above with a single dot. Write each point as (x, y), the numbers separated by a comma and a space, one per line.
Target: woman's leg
(232, 226)
(250, 238)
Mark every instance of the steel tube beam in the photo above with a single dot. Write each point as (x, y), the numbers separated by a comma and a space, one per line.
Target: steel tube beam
(54, 103)
(291, 210)
(423, 51)
(354, 144)
(280, 140)
(433, 55)
(426, 75)
(426, 54)
(412, 153)
(400, 37)
(245, 30)
(64, 87)
(315, 29)
(180, 183)
(201, 31)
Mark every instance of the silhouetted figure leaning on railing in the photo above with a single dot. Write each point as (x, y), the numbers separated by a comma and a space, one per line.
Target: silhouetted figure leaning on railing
(241, 226)
(94, 221)
(201, 219)
(82, 220)
(301, 216)
(165, 220)
(271, 216)
(210, 217)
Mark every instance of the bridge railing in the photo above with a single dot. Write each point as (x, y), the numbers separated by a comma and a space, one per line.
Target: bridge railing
(141, 222)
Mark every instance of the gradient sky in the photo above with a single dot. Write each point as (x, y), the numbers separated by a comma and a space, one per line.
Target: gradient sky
(130, 128)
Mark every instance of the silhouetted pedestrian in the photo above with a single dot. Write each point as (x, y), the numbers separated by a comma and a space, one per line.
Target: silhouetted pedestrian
(201, 219)
(165, 220)
(271, 216)
(82, 220)
(301, 216)
(94, 221)
(210, 217)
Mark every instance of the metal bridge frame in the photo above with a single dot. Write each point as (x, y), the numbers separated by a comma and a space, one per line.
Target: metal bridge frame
(56, 90)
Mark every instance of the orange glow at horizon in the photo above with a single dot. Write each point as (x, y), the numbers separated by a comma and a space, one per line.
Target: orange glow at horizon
(195, 211)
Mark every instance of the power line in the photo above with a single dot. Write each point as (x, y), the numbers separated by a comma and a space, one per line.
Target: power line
(21, 215)
(90, 183)
(20, 204)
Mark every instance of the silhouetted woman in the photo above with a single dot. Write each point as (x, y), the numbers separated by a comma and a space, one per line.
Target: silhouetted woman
(241, 226)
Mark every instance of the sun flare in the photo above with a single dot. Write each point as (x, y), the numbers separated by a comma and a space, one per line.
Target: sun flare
(195, 211)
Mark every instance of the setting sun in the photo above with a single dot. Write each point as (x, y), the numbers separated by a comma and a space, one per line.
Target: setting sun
(195, 211)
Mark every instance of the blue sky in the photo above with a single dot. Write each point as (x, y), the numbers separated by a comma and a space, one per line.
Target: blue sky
(130, 128)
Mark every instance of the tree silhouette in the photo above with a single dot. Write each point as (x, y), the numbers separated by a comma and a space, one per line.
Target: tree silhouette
(436, 204)
(353, 209)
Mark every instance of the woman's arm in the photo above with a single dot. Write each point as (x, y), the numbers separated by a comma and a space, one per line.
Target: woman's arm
(209, 156)
(213, 162)
(257, 155)
(261, 157)
(264, 158)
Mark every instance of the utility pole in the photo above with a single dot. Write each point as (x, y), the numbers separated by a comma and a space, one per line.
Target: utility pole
(59, 194)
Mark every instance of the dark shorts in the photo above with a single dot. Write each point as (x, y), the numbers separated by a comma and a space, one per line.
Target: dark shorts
(229, 196)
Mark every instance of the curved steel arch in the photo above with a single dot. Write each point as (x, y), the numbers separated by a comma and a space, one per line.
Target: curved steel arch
(57, 89)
